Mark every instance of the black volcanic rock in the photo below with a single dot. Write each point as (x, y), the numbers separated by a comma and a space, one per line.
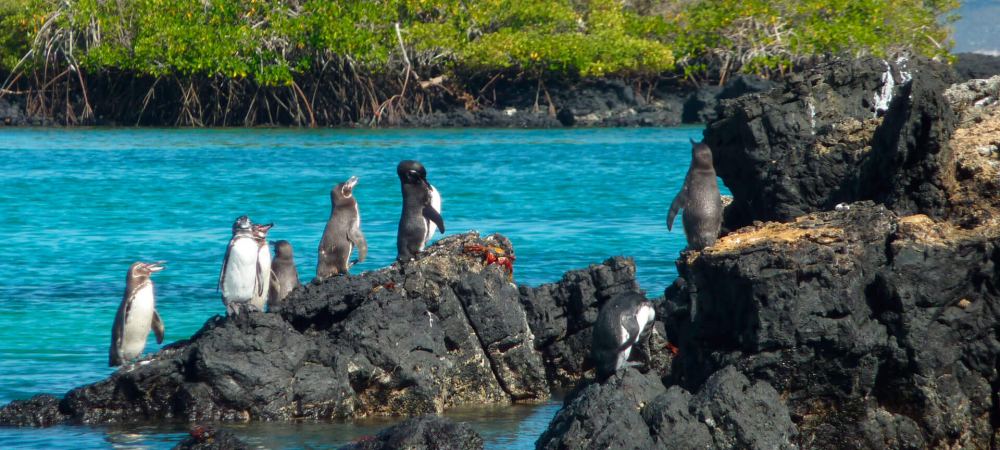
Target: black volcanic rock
(976, 66)
(444, 330)
(636, 411)
(878, 330)
(561, 314)
(422, 433)
(844, 131)
(39, 411)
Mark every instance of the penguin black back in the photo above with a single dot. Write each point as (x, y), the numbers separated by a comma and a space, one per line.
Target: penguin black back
(285, 277)
(421, 210)
(700, 199)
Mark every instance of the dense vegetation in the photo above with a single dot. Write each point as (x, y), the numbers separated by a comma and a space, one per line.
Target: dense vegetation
(288, 43)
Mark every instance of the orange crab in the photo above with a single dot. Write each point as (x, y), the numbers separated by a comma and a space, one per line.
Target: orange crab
(494, 255)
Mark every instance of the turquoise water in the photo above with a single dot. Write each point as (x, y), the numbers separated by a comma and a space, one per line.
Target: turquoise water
(78, 206)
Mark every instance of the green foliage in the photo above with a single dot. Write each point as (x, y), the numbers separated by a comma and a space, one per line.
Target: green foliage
(762, 36)
(272, 40)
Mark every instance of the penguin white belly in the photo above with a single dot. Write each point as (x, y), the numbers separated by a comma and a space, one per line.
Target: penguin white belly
(431, 227)
(644, 317)
(138, 322)
(259, 298)
(241, 271)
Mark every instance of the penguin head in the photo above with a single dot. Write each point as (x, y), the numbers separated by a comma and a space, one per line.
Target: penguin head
(282, 249)
(144, 270)
(701, 155)
(343, 192)
(412, 172)
(260, 230)
(242, 223)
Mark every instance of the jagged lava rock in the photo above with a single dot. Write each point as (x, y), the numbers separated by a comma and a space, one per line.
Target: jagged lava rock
(636, 411)
(422, 433)
(808, 145)
(443, 330)
(878, 331)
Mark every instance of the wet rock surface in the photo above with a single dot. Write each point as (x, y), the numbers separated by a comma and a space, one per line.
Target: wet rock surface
(207, 438)
(422, 433)
(444, 330)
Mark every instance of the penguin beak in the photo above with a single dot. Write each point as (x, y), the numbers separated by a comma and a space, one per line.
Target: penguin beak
(155, 267)
(351, 182)
(265, 228)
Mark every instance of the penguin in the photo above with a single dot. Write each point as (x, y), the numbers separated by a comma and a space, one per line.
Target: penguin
(342, 233)
(259, 299)
(421, 215)
(284, 275)
(239, 279)
(619, 324)
(700, 199)
(136, 315)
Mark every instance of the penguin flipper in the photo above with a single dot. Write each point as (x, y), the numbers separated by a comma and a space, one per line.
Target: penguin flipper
(158, 327)
(679, 201)
(358, 239)
(117, 333)
(225, 264)
(434, 216)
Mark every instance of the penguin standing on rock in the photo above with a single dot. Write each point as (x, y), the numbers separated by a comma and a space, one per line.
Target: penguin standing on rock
(342, 233)
(421, 215)
(619, 324)
(700, 199)
(284, 275)
(240, 279)
(136, 315)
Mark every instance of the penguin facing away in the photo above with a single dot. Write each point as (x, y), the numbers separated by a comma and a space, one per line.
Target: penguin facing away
(700, 199)
(239, 279)
(284, 275)
(421, 215)
(619, 324)
(136, 315)
(263, 283)
(342, 233)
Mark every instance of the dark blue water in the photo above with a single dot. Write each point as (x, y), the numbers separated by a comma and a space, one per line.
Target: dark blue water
(77, 207)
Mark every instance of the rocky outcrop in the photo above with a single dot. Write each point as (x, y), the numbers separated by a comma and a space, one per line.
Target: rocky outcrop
(845, 131)
(444, 330)
(561, 315)
(422, 433)
(976, 66)
(872, 324)
(635, 411)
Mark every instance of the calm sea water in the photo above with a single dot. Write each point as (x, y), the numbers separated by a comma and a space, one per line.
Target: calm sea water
(77, 207)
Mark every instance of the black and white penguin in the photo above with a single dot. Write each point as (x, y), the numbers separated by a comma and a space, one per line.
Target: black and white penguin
(700, 199)
(136, 315)
(240, 278)
(619, 324)
(259, 299)
(342, 232)
(284, 275)
(421, 215)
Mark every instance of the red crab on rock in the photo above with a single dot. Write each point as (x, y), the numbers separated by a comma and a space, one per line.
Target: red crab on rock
(493, 255)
